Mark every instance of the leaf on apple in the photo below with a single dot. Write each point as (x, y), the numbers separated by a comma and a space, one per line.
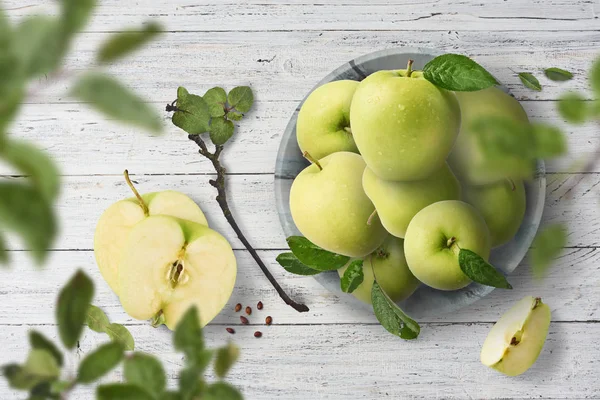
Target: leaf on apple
(558, 74)
(530, 81)
(353, 276)
(480, 271)
(458, 73)
(291, 264)
(547, 245)
(391, 317)
(315, 257)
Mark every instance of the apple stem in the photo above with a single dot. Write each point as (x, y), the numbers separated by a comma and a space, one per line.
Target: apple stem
(450, 241)
(409, 70)
(136, 193)
(370, 220)
(513, 187)
(348, 129)
(313, 160)
(219, 184)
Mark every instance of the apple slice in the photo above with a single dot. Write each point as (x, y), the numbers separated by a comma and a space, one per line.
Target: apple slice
(118, 219)
(516, 340)
(170, 264)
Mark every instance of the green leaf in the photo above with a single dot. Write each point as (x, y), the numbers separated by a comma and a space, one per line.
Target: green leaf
(457, 73)
(170, 395)
(40, 367)
(550, 141)
(530, 81)
(557, 74)
(98, 363)
(110, 97)
(118, 333)
(391, 317)
(123, 43)
(73, 302)
(39, 45)
(234, 116)
(57, 387)
(291, 264)
(241, 98)
(96, 319)
(353, 276)
(188, 336)
(193, 115)
(221, 130)
(222, 391)
(145, 371)
(36, 163)
(4, 257)
(573, 107)
(25, 211)
(190, 383)
(39, 341)
(216, 99)
(595, 76)
(75, 14)
(226, 357)
(122, 391)
(315, 257)
(480, 271)
(547, 245)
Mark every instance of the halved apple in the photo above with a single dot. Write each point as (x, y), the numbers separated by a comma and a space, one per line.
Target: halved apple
(516, 340)
(170, 264)
(118, 219)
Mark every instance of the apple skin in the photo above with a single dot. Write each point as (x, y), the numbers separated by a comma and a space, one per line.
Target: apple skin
(501, 206)
(429, 257)
(391, 270)
(322, 120)
(404, 127)
(398, 202)
(467, 160)
(331, 209)
(517, 339)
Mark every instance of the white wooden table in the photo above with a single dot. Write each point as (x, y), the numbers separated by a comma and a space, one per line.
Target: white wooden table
(282, 48)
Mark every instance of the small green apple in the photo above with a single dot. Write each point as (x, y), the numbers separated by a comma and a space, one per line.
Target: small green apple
(516, 340)
(391, 271)
(330, 208)
(502, 206)
(398, 202)
(403, 125)
(467, 159)
(323, 125)
(434, 238)
(170, 264)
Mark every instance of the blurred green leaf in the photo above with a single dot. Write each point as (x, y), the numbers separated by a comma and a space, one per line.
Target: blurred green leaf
(595, 76)
(115, 100)
(530, 81)
(75, 14)
(98, 363)
(73, 302)
(221, 130)
(550, 141)
(96, 319)
(31, 160)
(557, 74)
(222, 391)
(123, 43)
(190, 383)
(146, 372)
(192, 113)
(241, 98)
(391, 317)
(216, 99)
(353, 277)
(226, 357)
(25, 211)
(122, 391)
(39, 45)
(119, 333)
(547, 245)
(12, 82)
(292, 265)
(169, 395)
(188, 336)
(58, 387)
(573, 107)
(4, 257)
(39, 341)
(40, 367)
(457, 72)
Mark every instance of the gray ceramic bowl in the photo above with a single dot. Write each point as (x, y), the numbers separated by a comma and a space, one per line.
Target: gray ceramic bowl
(425, 302)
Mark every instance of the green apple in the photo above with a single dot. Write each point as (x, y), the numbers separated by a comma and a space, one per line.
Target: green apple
(118, 219)
(516, 340)
(391, 271)
(398, 202)
(330, 208)
(170, 264)
(467, 159)
(323, 125)
(502, 206)
(403, 125)
(434, 238)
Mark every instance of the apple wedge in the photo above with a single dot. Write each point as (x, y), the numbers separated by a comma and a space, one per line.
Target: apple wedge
(516, 340)
(170, 264)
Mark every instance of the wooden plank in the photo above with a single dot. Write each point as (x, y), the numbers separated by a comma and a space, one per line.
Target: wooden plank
(364, 361)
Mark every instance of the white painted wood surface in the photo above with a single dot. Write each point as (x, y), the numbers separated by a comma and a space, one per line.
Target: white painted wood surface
(282, 48)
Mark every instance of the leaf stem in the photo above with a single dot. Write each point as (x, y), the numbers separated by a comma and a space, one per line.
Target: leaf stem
(136, 193)
(221, 198)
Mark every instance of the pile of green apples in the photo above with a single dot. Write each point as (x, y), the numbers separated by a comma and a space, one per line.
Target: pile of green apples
(157, 253)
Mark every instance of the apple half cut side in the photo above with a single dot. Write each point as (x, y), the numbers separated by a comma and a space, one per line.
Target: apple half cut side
(172, 264)
(516, 340)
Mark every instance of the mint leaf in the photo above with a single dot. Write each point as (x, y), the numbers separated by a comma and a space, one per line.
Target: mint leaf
(39, 341)
(478, 270)
(221, 131)
(391, 317)
(315, 257)
(123, 43)
(291, 264)
(573, 107)
(110, 97)
(557, 74)
(547, 245)
(96, 319)
(353, 276)
(530, 81)
(73, 302)
(122, 391)
(216, 99)
(595, 76)
(192, 113)
(118, 333)
(146, 372)
(457, 73)
(221, 391)
(241, 98)
(98, 363)
(226, 357)
(550, 141)
(188, 336)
